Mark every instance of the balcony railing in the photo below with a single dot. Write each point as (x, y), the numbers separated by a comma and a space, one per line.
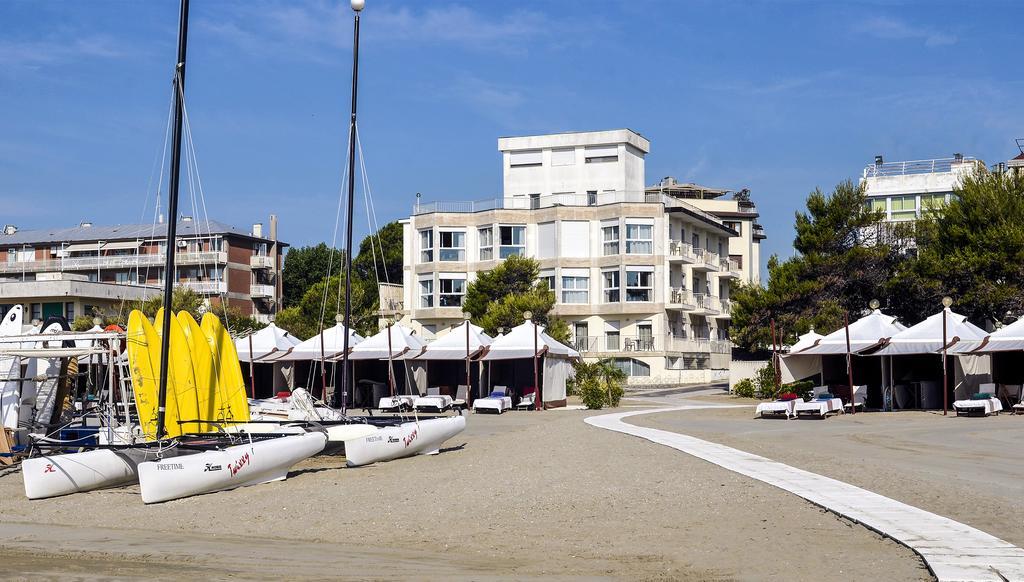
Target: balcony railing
(612, 344)
(258, 291)
(568, 199)
(680, 296)
(261, 262)
(677, 248)
(729, 265)
(937, 165)
(112, 262)
(206, 287)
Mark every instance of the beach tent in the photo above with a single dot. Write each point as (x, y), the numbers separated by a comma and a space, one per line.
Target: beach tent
(377, 357)
(453, 345)
(557, 358)
(925, 338)
(796, 367)
(866, 333)
(267, 342)
(1007, 339)
(328, 344)
(402, 345)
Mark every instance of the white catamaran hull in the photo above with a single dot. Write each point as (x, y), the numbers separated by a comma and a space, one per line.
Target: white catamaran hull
(55, 475)
(405, 440)
(230, 468)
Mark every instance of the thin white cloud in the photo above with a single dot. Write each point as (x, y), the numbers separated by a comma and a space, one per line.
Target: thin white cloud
(47, 52)
(888, 28)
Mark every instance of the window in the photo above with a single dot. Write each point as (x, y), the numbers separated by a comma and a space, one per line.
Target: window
(451, 290)
(735, 225)
(452, 245)
(601, 154)
(611, 340)
(639, 284)
(611, 286)
(547, 247)
(645, 336)
(563, 156)
(633, 367)
(720, 253)
(12, 256)
(69, 311)
(932, 202)
(580, 332)
(574, 241)
(426, 293)
(549, 278)
(486, 236)
(610, 236)
(525, 158)
(427, 245)
(124, 277)
(877, 205)
(575, 289)
(36, 310)
(26, 255)
(513, 241)
(639, 239)
(903, 207)
(591, 197)
(534, 201)
(737, 259)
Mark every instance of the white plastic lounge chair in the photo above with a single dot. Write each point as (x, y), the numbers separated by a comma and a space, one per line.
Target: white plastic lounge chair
(397, 403)
(776, 408)
(860, 397)
(433, 401)
(980, 406)
(497, 401)
(528, 401)
(821, 407)
(461, 394)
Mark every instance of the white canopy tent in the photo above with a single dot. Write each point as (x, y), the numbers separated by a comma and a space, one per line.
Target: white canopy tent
(453, 345)
(402, 345)
(1007, 339)
(520, 342)
(795, 368)
(329, 343)
(867, 332)
(268, 342)
(927, 338)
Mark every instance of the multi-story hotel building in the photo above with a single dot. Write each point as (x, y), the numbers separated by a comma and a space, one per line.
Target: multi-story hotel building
(91, 269)
(904, 191)
(640, 276)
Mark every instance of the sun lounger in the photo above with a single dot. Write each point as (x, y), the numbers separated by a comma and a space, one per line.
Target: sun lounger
(981, 404)
(822, 406)
(461, 394)
(433, 401)
(396, 403)
(528, 401)
(497, 401)
(860, 397)
(777, 408)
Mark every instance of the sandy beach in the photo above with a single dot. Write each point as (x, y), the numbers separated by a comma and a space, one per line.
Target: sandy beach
(522, 495)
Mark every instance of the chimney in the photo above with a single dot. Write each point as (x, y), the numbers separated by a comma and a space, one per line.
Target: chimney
(878, 160)
(186, 218)
(273, 227)
(10, 229)
(257, 230)
(85, 224)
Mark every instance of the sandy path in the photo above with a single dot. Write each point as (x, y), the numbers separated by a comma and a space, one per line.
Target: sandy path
(517, 496)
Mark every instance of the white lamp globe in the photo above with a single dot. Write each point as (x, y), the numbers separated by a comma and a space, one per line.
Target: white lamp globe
(358, 5)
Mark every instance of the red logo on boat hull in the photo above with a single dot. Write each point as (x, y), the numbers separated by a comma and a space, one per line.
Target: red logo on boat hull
(412, 436)
(49, 468)
(239, 464)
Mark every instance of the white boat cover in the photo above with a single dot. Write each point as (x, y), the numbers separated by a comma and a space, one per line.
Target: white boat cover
(333, 345)
(865, 333)
(266, 342)
(1009, 338)
(453, 345)
(403, 345)
(926, 337)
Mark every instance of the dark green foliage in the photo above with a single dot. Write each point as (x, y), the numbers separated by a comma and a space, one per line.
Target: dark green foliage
(802, 388)
(499, 297)
(745, 388)
(764, 379)
(599, 383)
(305, 267)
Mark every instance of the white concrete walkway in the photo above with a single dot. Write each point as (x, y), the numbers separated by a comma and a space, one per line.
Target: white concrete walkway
(953, 551)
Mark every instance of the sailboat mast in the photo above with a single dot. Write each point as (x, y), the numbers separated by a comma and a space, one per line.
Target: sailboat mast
(357, 7)
(172, 215)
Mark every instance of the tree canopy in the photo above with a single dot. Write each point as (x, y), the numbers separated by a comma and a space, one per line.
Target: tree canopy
(499, 297)
(305, 267)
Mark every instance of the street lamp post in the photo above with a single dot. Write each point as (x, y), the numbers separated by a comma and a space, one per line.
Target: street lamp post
(528, 316)
(946, 302)
(469, 384)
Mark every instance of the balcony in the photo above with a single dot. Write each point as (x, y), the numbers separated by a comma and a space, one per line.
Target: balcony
(206, 287)
(257, 262)
(112, 262)
(706, 260)
(681, 251)
(708, 304)
(615, 345)
(680, 298)
(259, 291)
(697, 345)
(725, 309)
(728, 268)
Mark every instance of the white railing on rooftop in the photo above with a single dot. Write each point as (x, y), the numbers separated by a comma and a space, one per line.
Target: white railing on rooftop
(112, 262)
(568, 199)
(938, 165)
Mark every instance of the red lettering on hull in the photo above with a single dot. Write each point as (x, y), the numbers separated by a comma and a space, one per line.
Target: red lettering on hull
(239, 464)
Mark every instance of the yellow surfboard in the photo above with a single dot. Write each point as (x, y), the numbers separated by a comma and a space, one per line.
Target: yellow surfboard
(231, 386)
(181, 382)
(143, 345)
(204, 371)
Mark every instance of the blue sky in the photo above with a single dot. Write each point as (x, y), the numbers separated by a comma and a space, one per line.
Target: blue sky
(776, 96)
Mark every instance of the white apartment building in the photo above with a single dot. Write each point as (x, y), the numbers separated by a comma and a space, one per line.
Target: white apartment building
(904, 191)
(639, 276)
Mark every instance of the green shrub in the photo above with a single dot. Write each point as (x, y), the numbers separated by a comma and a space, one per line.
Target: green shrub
(592, 393)
(765, 381)
(615, 393)
(745, 388)
(802, 388)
